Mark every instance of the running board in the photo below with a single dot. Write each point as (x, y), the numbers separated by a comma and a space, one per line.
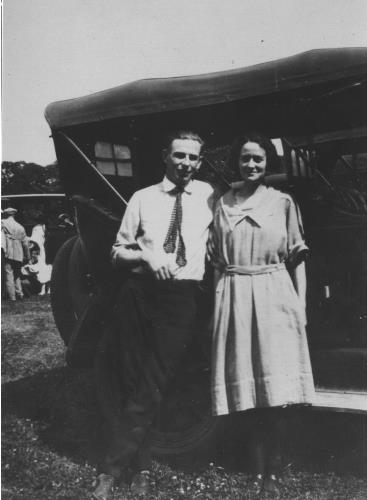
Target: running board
(343, 401)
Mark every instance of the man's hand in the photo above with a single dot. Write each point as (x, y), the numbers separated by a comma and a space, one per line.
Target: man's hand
(158, 264)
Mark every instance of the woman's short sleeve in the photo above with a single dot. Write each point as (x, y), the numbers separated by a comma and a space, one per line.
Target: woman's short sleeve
(297, 248)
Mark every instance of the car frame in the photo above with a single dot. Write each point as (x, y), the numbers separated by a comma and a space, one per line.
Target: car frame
(108, 145)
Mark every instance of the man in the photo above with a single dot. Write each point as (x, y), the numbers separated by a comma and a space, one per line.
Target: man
(162, 239)
(14, 247)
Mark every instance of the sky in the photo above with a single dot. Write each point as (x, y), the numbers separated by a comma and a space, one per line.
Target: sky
(60, 49)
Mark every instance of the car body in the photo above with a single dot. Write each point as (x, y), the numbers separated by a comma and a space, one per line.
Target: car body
(109, 144)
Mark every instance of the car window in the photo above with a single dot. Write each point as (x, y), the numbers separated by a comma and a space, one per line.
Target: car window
(113, 159)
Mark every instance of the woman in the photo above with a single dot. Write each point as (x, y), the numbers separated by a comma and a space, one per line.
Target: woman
(37, 241)
(38, 236)
(260, 353)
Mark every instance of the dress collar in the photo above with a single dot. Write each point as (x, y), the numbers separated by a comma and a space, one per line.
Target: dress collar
(257, 207)
(252, 201)
(168, 186)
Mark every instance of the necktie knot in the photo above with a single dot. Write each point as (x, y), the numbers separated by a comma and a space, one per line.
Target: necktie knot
(178, 189)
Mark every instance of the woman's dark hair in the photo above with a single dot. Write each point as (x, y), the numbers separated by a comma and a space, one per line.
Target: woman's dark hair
(272, 158)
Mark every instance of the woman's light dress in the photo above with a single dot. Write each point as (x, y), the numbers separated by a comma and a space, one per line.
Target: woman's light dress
(260, 352)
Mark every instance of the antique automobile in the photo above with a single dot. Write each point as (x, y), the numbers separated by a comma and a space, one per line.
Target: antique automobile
(108, 145)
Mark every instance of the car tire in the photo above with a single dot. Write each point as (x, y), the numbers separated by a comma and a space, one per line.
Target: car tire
(77, 273)
(61, 300)
(185, 425)
(69, 297)
(188, 425)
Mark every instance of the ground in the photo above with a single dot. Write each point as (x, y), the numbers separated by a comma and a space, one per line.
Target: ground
(50, 432)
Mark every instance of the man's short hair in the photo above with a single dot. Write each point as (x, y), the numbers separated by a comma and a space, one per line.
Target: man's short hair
(185, 135)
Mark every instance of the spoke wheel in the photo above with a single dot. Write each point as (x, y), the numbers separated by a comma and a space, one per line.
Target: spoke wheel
(184, 422)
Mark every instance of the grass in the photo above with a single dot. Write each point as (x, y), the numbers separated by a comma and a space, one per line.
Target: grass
(50, 429)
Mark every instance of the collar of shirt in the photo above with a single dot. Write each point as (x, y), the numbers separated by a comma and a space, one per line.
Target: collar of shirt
(168, 186)
(258, 207)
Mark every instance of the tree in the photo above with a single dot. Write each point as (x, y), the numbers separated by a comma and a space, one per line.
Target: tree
(21, 177)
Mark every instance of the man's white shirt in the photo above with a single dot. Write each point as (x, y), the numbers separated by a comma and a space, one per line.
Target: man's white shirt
(147, 219)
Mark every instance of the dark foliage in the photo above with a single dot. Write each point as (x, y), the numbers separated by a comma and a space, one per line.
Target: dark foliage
(22, 177)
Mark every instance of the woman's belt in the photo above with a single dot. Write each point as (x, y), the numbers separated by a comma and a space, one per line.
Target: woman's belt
(251, 270)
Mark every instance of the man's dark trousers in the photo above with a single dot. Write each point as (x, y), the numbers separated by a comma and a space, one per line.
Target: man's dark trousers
(153, 327)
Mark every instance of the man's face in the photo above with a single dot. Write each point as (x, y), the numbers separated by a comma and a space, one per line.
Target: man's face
(182, 160)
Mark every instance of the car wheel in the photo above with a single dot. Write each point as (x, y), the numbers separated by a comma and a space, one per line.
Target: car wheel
(184, 423)
(61, 300)
(80, 289)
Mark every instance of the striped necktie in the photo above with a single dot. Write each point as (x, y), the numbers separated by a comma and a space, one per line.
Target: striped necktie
(174, 229)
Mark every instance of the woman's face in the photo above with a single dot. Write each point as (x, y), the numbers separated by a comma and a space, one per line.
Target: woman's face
(252, 162)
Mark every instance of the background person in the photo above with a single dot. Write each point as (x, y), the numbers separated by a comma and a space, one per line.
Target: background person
(260, 354)
(15, 249)
(38, 237)
(29, 275)
(162, 238)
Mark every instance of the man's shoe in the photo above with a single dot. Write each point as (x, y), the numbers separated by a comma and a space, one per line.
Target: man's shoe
(140, 484)
(105, 484)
